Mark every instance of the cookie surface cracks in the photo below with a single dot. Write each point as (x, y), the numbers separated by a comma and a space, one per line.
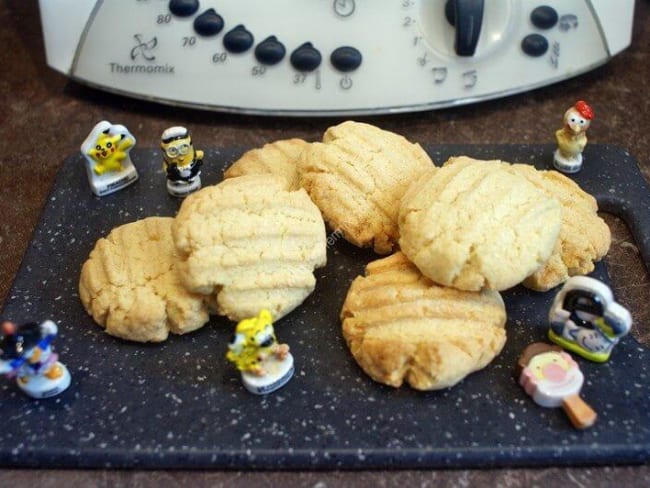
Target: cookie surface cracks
(477, 224)
(131, 287)
(251, 244)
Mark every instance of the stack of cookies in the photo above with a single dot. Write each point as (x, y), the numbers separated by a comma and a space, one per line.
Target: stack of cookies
(234, 248)
(428, 314)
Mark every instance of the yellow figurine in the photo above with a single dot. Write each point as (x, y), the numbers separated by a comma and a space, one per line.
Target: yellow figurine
(265, 364)
(108, 163)
(182, 163)
(109, 151)
(572, 138)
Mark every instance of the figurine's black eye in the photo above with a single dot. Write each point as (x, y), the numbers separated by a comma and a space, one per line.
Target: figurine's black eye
(98, 147)
(267, 342)
(109, 144)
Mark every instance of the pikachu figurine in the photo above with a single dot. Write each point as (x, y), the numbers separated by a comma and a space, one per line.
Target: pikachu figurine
(108, 164)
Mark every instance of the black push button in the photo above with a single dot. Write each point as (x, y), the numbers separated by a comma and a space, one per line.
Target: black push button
(534, 45)
(346, 58)
(306, 58)
(209, 23)
(544, 17)
(183, 8)
(238, 40)
(270, 51)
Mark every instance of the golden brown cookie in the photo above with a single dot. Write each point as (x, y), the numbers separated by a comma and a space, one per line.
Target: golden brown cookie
(251, 244)
(131, 287)
(478, 224)
(357, 177)
(400, 326)
(584, 237)
(277, 158)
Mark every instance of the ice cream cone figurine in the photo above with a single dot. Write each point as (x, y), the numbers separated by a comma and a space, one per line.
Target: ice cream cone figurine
(26, 354)
(553, 379)
(265, 364)
(572, 138)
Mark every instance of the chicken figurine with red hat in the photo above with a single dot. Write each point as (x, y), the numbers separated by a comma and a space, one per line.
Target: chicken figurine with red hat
(572, 138)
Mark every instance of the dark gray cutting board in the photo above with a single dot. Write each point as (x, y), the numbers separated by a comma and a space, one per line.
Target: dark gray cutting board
(181, 405)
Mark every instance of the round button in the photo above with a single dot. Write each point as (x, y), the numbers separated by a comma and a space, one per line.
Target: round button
(346, 58)
(183, 8)
(270, 51)
(544, 17)
(209, 23)
(534, 45)
(306, 57)
(238, 40)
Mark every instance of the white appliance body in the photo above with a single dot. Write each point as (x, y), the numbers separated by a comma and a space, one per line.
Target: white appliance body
(340, 56)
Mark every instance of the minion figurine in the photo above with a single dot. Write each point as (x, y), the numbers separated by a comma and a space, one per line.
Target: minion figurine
(265, 365)
(182, 162)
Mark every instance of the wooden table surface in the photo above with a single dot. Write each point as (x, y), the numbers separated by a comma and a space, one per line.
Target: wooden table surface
(44, 118)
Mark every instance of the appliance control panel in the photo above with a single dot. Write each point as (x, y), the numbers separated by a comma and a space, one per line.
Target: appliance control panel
(329, 57)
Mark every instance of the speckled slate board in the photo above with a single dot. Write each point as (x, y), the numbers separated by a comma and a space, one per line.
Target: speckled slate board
(181, 405)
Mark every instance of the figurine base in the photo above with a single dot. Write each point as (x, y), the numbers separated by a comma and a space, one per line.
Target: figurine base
(111, 181)
(181, 189)
(43, 387)
(565, 165)
(597, 357)
(278, 374)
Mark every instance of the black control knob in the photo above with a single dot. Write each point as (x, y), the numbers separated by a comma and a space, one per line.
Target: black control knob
(238, 40)
(183, 8)
(534, 45)
(270, 51)
(209, 23)
(346, 58)
(467, 17)
(544, 17)
(306, 57)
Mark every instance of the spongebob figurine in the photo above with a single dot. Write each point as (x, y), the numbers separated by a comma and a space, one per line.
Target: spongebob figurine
(108, 164)
(182, 163)
(265, 365)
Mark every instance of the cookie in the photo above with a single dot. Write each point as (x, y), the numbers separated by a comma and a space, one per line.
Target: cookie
(251, 244)
(131, 287)
(357, 177)
(402, 327)
(277, 158)
(584, 237)
(478, 224)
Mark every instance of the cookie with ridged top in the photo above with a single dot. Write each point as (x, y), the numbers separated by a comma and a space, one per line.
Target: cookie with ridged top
(584, 237)
(131, 286)
(276, 158)
(478, 224)
(402, 327)
(357, 177)
(251, 244)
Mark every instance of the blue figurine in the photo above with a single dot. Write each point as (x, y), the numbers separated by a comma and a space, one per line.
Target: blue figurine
(586, 320)
(26, 354)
